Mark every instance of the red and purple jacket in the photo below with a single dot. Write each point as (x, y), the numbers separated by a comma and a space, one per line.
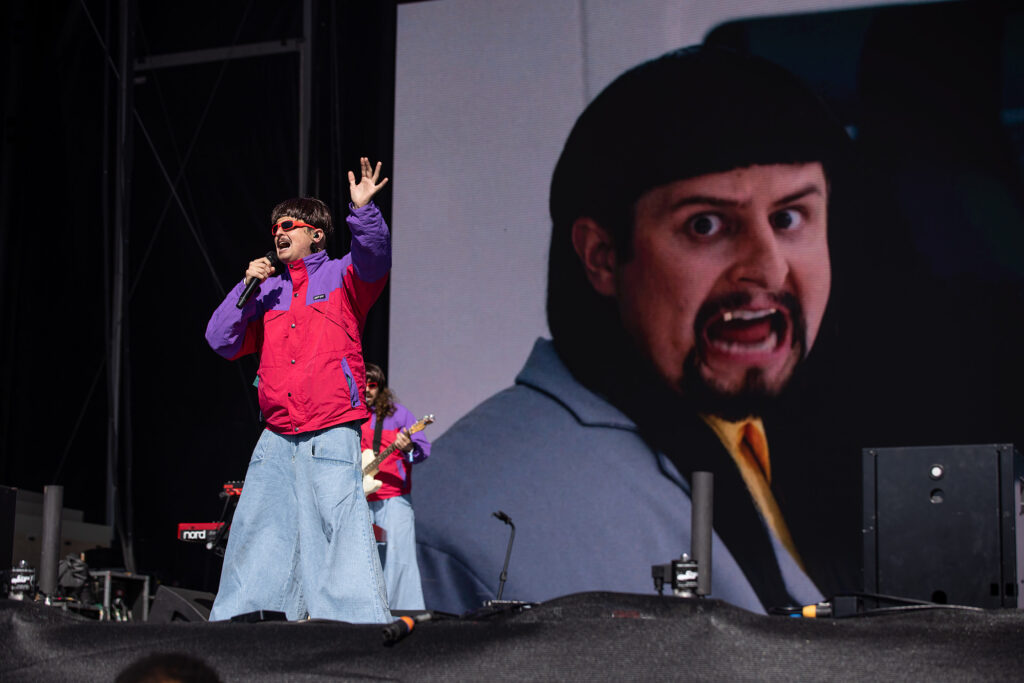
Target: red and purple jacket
(395, 473)
(306, 324)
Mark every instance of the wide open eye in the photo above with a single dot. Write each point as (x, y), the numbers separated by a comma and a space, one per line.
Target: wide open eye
(787, 219)
(705, 224)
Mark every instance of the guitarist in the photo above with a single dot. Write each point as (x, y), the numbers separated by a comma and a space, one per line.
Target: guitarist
(390, 505)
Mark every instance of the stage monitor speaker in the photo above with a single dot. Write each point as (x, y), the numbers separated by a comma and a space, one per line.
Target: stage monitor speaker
(944, 524)
(180, 604)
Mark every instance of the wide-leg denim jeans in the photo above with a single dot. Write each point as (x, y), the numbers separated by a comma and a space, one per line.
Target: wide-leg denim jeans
(301, 540)
(401, 572)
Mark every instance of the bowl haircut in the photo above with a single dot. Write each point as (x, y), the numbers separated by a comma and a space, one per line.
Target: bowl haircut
(688, 113)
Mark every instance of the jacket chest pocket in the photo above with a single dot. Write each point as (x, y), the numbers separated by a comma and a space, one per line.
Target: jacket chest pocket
(276, 332)
(336, 329)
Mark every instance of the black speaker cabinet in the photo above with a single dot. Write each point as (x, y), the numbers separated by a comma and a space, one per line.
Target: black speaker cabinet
(943, 523)
(180, 604)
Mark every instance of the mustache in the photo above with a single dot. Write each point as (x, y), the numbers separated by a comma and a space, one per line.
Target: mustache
(732, 300)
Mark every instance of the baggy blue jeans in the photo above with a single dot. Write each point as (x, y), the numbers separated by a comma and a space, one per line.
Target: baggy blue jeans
(401, 572)
(301, 541)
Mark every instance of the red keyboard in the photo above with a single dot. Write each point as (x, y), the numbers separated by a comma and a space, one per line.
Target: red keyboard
(201, 532)
(198, 532)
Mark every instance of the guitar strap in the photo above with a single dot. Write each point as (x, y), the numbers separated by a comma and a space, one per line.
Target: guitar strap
(377, 431)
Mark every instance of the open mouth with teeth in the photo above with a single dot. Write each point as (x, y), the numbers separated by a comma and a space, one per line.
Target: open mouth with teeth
(283, 242)
(752, 334)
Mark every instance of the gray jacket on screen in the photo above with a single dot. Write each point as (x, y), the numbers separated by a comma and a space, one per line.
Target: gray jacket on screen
(593, 506)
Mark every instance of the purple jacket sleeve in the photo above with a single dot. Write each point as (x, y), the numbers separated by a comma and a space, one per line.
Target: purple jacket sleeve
(228, 331)
(371, 242)
(420, 445)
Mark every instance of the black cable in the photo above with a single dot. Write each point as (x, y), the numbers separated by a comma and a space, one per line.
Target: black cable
(181, 205)
(852, 605)
(173, 195)
(103, 44)
(78, 420)
(182, 164)
(157, 159)
(334, 123)
(172, 185)
(894, 598)
(881, 611)
(183, 161)
(126, 529)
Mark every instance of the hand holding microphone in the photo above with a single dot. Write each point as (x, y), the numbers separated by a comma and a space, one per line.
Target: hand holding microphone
(258, 271)
(261, 269)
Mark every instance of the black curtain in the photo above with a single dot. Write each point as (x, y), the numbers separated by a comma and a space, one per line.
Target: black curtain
(226, 135)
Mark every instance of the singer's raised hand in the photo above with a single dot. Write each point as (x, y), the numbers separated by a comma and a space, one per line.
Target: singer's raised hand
(363, 191)
(260, 269)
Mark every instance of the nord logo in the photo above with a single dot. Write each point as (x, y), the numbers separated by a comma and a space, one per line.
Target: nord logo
(194, 535)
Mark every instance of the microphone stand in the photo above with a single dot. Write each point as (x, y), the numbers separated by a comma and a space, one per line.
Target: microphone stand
(508, 553)
(690, 576)
(499, 606)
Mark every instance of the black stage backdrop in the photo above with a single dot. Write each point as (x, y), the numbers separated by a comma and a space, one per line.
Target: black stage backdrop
(227, 132)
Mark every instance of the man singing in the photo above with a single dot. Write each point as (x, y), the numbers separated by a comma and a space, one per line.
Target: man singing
(301, 541)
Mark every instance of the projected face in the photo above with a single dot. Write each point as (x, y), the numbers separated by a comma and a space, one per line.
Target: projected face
(729, 278)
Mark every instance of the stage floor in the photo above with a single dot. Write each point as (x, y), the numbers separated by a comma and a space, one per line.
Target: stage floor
(589, 636)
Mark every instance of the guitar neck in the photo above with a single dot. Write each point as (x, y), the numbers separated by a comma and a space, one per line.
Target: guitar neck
(381, 458)
(418, 426)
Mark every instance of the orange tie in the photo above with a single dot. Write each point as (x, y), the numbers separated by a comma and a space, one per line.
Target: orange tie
(748, 446)
(755, 447)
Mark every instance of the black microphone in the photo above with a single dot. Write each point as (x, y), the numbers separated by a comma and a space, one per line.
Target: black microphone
(255, 282)
(397, 630)
(502, 516)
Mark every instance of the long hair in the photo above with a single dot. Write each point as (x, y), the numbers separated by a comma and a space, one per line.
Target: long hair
(384, 404)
